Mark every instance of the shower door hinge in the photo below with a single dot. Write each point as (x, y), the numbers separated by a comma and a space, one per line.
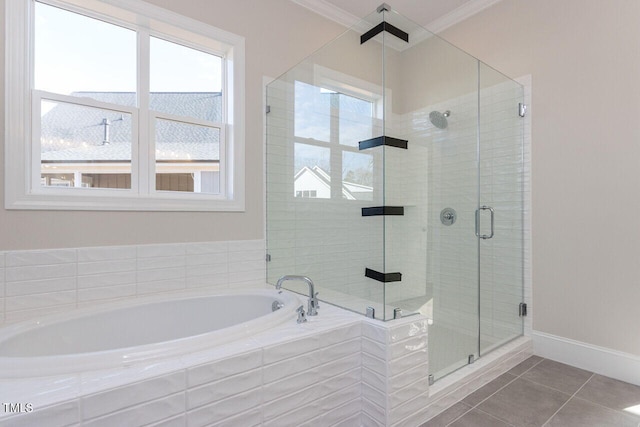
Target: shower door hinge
(522, 109)
(522, 309)
(267, 258)
(267, 109)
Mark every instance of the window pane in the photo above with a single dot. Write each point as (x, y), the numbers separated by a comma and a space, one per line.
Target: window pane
(355, 120)
(312, 177)
(81, 56)
(84, 146)
(312, 112)
(187, 157)
(357, 176)
(185, 81)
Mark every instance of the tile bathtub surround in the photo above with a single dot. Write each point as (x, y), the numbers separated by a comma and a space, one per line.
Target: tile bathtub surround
(395, 382)
(291, 375)
(40, 282)
(339, 369)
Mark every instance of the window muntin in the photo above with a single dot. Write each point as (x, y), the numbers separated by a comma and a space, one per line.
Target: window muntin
(27, 188)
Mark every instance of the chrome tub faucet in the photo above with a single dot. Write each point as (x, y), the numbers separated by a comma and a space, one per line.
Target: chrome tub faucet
(313, 305)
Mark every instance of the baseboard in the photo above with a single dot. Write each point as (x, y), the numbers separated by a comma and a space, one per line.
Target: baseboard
(601, 360)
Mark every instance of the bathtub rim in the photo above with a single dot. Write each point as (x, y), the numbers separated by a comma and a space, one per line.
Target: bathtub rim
(45, 366)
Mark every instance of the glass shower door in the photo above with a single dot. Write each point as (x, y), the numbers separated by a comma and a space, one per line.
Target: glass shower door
(452, 257)
(501, 195)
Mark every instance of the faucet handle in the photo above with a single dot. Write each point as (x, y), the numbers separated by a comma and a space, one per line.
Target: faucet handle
(317, 302)
(301, 316)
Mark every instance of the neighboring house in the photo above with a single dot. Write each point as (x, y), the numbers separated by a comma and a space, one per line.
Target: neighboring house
(91, 147)
(316, 183)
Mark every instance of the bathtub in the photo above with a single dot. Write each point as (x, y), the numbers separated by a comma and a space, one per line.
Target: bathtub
(137, 332)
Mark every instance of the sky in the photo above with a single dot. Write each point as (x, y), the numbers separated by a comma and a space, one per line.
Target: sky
(77, 53)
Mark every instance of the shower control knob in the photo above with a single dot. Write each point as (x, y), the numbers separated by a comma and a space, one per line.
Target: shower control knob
(448, 216)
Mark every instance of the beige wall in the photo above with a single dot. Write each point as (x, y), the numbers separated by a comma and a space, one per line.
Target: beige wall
(584, 59)
(277, 34)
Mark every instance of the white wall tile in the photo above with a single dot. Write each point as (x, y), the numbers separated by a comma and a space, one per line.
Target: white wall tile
(374, 348)
(409, 345)
(200, 248)
(224, 409)
(336, 367)
(251, 418)
(26, 302)
(106, 266)
(276, 353)
(347, 415)
(179, 421)
(291, 384)
(63, 414)
(294, 365)
(374, 364)
(106, 253)
(222, 389)
(374, 395)
(38, 272)
(164, 250)
(107, 279)
(146, 413)
(44, 257)
(106, 293)
(31, 287)
(288, 403)
(99, 404)
(377, 414)
(217, 370)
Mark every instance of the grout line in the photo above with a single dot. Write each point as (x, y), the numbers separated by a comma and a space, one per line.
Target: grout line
(456, 419)
(491, 395)
(497, 418)
(568, 400)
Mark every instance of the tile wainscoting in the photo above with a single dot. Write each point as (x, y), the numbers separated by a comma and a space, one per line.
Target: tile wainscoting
(38, 282)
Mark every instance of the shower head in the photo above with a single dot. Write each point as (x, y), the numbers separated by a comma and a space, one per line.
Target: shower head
(439, 119)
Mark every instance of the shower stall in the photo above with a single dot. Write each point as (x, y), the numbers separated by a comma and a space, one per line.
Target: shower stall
(395, 182)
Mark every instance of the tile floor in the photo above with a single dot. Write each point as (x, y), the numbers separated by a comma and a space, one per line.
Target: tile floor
(540, 392)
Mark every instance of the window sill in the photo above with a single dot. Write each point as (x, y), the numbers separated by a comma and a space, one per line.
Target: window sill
(186, 203)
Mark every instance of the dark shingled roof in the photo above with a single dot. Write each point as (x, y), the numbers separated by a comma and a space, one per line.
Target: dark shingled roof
(74, 133)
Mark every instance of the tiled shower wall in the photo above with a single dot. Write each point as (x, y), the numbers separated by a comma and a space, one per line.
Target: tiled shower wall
(39, 282)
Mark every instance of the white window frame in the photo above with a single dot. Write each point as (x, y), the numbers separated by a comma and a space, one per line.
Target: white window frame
(22, 163)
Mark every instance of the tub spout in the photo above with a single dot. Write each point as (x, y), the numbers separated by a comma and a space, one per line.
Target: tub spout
(313, 305)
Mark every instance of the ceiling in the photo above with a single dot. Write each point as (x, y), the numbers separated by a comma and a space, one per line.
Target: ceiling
(435, 15)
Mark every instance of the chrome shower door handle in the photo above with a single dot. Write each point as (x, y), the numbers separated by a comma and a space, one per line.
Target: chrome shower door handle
(483, 208)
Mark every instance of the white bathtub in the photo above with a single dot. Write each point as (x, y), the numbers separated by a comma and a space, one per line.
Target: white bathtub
(138, 331)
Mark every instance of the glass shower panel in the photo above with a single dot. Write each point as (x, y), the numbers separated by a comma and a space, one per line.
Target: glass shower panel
(501, 190)
(405, 180)
(318, 180)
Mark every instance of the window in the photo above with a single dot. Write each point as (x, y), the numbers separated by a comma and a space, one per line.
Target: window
(328, 125)
(104, 112)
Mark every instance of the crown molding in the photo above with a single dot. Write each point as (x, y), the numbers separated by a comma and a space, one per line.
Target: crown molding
(459, 14)
(329, 11)
(336, 14)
